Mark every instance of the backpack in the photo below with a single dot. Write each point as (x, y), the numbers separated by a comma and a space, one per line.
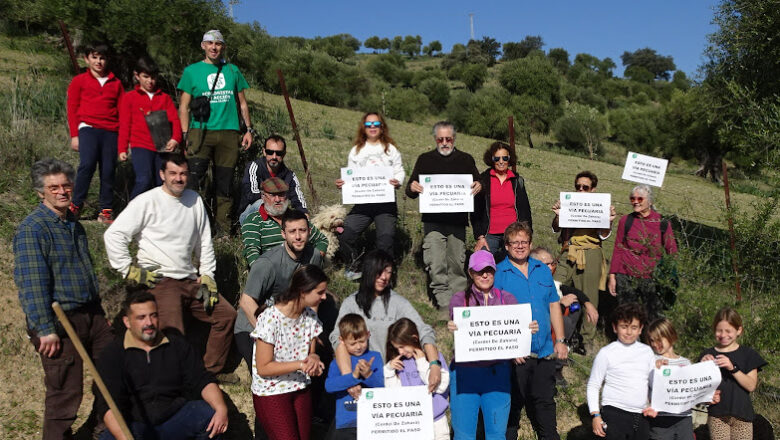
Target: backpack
(665, 275)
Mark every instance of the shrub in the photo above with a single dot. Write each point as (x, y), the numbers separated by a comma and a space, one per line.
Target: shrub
(405, 104)
(581, 127)
(437, 91)
(636, 128)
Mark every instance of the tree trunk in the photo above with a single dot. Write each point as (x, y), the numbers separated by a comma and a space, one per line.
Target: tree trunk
(530, 142)
(711, 165)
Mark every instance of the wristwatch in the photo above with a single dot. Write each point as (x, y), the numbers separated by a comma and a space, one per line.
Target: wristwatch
(561, 340)
(435, 362)
(735, 369)
(252, 131)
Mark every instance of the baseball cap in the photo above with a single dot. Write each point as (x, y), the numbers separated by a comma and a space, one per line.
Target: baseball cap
(274, 185)
(213, 35)
(480, 260)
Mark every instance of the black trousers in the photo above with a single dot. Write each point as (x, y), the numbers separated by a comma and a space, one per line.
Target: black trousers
(624, 425)
(533, 388)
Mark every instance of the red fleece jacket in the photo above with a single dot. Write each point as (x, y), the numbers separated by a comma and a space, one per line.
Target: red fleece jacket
(133, 131)
(93, 104)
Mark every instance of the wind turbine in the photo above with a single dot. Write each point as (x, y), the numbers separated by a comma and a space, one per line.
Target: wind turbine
(231, 3)
(471, 20)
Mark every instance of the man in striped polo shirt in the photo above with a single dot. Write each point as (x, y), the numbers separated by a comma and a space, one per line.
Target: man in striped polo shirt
(262, 229)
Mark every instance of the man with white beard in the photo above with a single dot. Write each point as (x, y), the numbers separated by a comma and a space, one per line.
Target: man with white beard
(444, 246)
(262, 229)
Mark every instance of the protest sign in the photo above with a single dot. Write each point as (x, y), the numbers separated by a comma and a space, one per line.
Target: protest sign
(584, 210)
(367, 185)
(388, 413)
(492, 332)
(645, 169)
(446, 193)
(678, 389)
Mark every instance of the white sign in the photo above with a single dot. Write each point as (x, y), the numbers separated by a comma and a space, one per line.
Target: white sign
(367, 185)
(584, 210)
(645, 169)
(492, 332)
(446, 193)
(393, 413)
(678, 389)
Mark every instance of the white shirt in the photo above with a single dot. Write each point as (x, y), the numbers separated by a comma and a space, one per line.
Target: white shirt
(625, 372)
(171, 232)
(373, 155)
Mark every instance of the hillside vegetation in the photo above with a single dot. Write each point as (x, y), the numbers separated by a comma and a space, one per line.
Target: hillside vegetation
(35, 75)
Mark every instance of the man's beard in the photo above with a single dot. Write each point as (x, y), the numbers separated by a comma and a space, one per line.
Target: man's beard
(277, 212)
(148, 337)
(445, 153)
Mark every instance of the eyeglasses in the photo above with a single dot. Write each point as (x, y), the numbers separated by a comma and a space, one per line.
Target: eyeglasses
(375, 124)
(500, 158)
(636, 199)
(580, 187)
(270, 152)
(443, 140)
(60, 188)
(518, 243)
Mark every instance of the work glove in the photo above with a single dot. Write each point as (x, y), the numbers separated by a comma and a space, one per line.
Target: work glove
(147, 277)
(208, 293)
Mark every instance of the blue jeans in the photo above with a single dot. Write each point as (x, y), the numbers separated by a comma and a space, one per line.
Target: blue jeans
(97, 147)
(189, 423)
(472, 388)
(146, 166)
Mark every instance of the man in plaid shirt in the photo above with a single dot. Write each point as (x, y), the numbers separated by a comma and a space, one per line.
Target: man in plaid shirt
(52, 263)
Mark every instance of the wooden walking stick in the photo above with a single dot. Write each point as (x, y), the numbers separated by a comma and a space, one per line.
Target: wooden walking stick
(91, 367)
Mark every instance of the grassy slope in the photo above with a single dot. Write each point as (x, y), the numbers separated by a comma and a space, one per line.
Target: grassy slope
(326, 134)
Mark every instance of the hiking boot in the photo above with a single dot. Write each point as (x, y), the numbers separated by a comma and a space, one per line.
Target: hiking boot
(105, 217)
(75, 210)
(228, 378)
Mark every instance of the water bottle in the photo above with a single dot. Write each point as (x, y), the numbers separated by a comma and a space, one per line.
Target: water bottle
(574, 307)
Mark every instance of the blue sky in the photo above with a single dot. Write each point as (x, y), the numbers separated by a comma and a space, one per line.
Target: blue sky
(604, 28)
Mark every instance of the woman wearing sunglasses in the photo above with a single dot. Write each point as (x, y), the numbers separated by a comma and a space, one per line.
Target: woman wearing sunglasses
(502, 201)
(582, 263)
(642, 238)
(373, 148)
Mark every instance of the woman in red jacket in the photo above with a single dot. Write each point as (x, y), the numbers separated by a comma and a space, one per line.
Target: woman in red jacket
(134, 133)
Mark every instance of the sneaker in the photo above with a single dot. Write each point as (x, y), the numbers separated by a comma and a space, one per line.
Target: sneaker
(75, 210)
(105, 217)
(228, 378)
(352, 276)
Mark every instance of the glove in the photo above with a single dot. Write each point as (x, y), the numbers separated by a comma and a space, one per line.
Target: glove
(143, 276)
(208, 293)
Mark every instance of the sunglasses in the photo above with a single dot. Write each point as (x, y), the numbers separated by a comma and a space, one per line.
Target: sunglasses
(280, 153)
(369, 124)
(582, 187)
(500, 158)
(636, 199)
(444, 140)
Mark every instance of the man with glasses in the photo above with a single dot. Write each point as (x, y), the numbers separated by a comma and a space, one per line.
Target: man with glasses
(262, 229)
(212, 93)
(530, 281)
(271, 164)
(444, 245)
(52, 263)
(582, 263)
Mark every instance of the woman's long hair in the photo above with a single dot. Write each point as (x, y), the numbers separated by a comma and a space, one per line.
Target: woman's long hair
(305, 279)
(374, 264)
(402, 332)
(384, 135)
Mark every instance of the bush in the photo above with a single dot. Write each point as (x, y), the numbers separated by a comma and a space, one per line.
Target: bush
(483, 113)
(581, 127)
(636, 128)
(534, 76)
(473, 75)
(405, 104)
(437, 91)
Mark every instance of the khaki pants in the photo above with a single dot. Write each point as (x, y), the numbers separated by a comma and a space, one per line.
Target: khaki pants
(586, 280)
(444, 253)
(64, 373)
(173, 296)
(220, 147)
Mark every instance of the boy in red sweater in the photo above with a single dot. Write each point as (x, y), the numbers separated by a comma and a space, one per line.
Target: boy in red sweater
(93, 120)
(134, 133)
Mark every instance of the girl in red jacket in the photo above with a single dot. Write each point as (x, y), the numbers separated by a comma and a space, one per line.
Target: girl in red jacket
(134, 133)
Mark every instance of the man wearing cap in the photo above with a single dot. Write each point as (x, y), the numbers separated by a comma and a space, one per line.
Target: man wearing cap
(262, 229)
(170, 224)
(270, 164)
(212, 91)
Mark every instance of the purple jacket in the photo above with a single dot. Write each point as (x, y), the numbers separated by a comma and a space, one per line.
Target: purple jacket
(497, 297)
(411, 377)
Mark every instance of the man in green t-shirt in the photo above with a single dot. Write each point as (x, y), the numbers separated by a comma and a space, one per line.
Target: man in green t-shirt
(218, 137)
